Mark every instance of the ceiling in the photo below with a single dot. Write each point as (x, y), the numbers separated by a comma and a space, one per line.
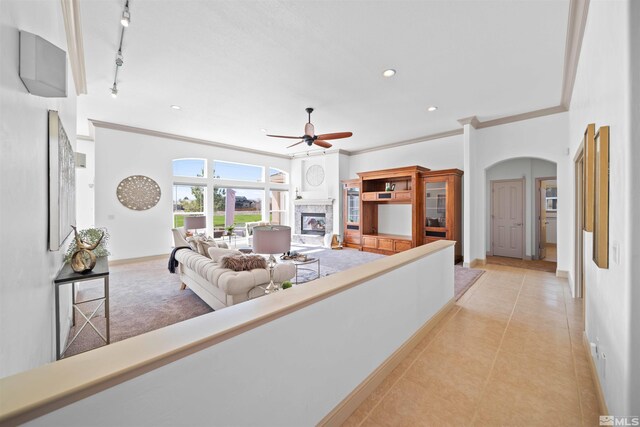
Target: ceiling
(236, 67)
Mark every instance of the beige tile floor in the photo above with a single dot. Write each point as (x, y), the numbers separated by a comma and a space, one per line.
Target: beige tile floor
(509, 353)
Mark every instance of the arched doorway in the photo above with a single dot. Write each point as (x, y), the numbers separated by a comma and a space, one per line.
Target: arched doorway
(521, 210)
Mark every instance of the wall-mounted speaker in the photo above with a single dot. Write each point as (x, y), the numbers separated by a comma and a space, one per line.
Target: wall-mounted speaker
(43, 66)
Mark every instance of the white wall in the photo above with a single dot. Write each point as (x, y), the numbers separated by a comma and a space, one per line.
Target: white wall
(542, 138)
(85, 183)
(27, 325)
(444, 153)
(394, 219)
(526, 168)
(304, 363)
(602, 96)
(121, 154)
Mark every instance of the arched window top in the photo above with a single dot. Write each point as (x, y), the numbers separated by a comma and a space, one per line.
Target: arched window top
(277, 176)
(191, 168)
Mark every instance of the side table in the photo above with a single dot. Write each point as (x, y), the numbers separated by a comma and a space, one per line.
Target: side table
(68, 276)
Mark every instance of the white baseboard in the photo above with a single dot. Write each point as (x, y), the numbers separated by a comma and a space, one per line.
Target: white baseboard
(562, 273)
(140, 259)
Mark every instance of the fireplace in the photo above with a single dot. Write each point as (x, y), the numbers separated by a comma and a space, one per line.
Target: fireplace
(313, 223)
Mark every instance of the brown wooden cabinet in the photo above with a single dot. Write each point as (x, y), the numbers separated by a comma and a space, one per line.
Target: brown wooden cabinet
(443, 207)
(435, 198)
(351, 213)
(391, 186)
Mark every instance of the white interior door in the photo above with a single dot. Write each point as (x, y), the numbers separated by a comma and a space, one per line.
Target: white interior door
(507, 218)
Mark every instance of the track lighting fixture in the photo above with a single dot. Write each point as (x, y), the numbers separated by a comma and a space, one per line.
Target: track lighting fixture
(125, 21)
(126, 16)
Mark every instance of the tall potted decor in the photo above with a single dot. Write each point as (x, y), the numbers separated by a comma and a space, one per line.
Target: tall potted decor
(86, 246)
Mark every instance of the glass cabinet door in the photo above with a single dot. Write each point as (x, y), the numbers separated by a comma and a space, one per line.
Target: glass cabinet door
(353, 205)
(436, 204)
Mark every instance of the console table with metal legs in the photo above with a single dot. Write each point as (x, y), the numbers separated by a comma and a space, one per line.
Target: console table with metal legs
(68, 276)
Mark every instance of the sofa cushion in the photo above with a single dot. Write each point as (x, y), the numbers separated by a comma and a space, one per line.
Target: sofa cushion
(216, 253)
(243, 262)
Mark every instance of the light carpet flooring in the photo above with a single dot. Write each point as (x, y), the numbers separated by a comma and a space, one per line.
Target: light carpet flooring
(509, 353)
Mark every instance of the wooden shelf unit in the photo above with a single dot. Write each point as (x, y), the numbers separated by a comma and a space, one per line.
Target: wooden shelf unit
(436, 208)
(352, 218)
(407, 182)
(443, 207)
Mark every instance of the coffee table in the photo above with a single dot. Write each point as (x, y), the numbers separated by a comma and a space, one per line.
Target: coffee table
(306, 265)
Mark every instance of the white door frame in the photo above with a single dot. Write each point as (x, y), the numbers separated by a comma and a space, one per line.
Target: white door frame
(538, 202)
(524, 213)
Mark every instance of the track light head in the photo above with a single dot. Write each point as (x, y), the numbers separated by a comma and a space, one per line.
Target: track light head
(114, 91)
(119, 59)
(126, 17)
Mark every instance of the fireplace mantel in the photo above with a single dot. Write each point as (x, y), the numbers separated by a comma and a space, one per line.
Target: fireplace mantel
(321, 202)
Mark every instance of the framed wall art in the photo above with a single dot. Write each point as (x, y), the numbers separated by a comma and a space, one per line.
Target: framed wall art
(589, 171)
(601, 199)
(62, 183)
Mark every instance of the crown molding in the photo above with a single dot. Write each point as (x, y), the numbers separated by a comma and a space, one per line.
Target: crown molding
(578, 11)
(439, 135)
(473, 121)
(523, 116)
(84, 138)
(75, 46)
(149, 132)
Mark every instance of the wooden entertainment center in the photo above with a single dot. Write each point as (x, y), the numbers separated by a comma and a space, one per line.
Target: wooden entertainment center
(435, 198)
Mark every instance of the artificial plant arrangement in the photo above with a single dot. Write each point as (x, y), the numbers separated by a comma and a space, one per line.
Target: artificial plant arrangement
(87, 245)
(230, 229)
(286, 284)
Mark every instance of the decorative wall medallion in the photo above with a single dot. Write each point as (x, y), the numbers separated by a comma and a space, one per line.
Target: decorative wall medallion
(315, 175)
(138, 192)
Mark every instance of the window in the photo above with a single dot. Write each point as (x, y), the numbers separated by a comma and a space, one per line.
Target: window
(192, 168)
(237, 171)
(236, 206)
(278, 203)
(277, 176)
(551, 199)
(187, 200)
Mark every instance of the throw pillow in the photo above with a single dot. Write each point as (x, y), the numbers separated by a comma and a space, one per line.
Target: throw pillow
(243, 262)
(216, 253)
(193, 243)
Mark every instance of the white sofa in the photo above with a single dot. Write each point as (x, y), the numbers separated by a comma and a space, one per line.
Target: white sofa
(220, 287)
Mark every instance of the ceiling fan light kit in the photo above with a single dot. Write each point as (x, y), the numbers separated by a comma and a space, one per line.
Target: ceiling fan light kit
(311, 138)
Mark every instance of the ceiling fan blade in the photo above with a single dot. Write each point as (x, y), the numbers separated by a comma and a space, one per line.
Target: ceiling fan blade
(299, 142)
(288, 137)
(322, 143)
(337, 135)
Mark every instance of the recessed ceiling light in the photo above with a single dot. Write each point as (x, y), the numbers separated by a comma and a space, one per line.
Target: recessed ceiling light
(176, 107)
(263, 130)
(432, 108)
(389, 73)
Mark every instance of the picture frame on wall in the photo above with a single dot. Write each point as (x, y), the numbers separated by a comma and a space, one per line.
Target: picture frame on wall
(601, 199)
(62, 183)
(589, 172)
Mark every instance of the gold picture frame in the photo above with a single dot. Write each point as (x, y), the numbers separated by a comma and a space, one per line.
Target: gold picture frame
(601, 199)
(589, 179)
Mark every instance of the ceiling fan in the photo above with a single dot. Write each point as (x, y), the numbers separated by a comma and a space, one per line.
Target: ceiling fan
(311, 138)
